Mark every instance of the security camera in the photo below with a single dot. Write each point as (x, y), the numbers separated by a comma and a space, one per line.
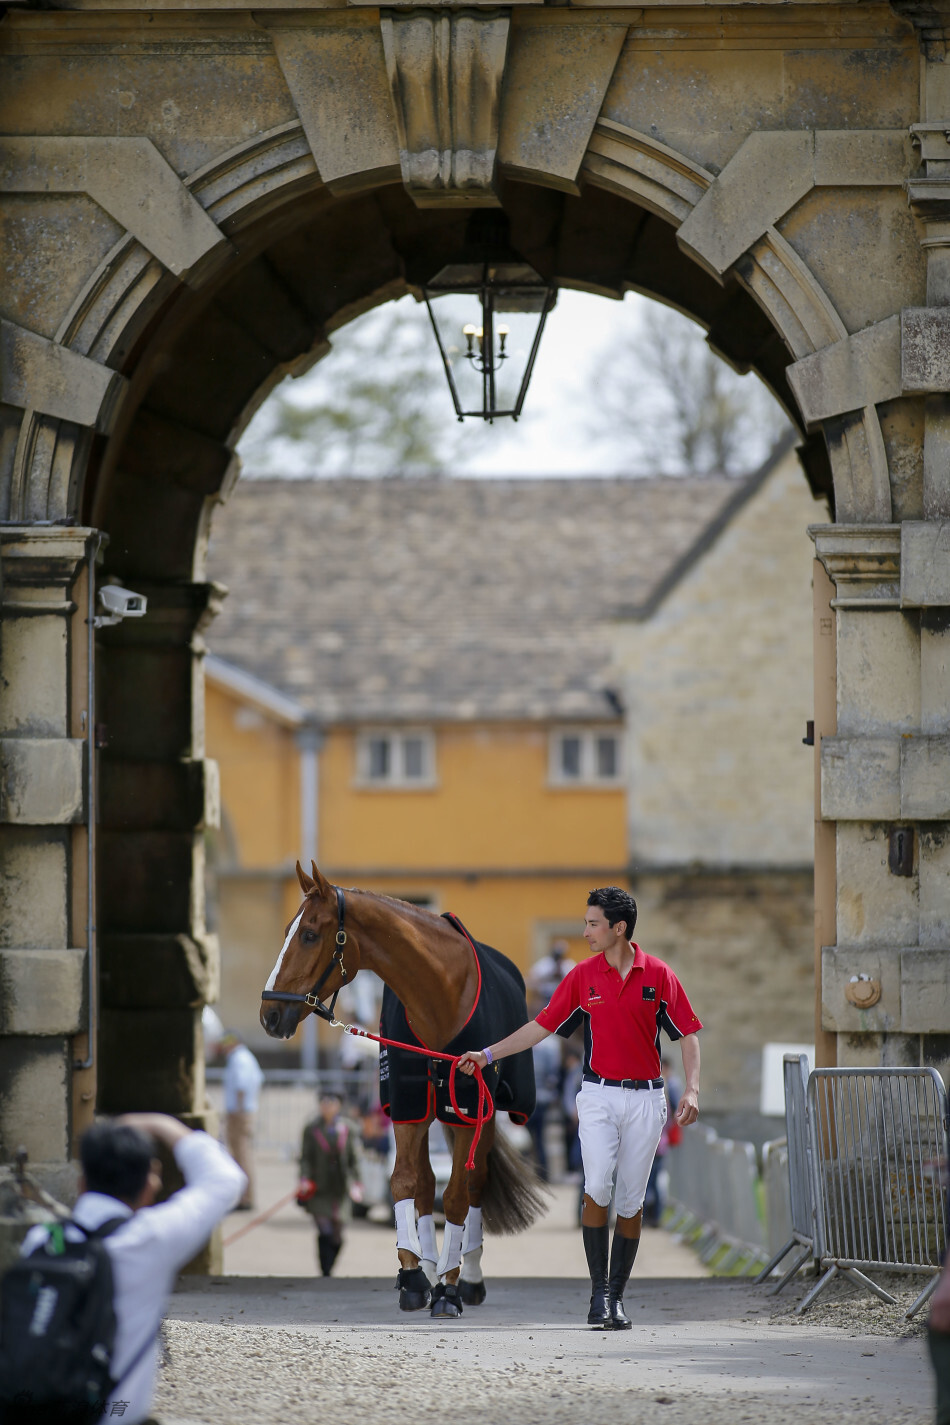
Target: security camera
(118, 603)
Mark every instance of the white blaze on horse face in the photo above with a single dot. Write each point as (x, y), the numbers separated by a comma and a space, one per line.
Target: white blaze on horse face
(283, 951)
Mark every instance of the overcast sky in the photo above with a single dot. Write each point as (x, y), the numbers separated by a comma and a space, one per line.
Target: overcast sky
(554, 435)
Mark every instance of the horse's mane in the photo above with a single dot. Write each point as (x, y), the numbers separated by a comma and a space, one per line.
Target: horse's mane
(407, 908)
(410, 909)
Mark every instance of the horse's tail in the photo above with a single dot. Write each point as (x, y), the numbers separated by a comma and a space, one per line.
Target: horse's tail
(513, 1197)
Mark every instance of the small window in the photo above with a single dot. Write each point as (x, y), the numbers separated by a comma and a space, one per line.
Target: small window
(586, 757)
(606, 757)
(396, 759)
(571, 757)
(413, 755)
(380, 758)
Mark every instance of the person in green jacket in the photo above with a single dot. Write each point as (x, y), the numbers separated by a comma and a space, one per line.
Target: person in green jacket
(329, 1176)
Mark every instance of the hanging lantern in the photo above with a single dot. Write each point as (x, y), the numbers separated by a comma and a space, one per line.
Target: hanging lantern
(488, 315)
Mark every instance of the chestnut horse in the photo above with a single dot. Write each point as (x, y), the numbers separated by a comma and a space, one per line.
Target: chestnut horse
(436, 978)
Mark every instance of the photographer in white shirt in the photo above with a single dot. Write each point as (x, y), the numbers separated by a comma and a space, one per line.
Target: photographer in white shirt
(121, 1177)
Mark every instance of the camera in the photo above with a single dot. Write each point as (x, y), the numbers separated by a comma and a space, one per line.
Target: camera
(118, 603)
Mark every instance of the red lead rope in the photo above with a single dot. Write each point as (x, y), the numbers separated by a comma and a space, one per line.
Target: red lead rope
(483, 1111)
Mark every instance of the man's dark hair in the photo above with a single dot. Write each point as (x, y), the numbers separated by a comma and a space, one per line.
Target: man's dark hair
(617, 905)
(116, 1159)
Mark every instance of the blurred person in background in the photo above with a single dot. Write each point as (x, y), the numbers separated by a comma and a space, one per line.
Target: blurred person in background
(654, 1203)
(570, 1087)
(242, 1088)
(330, 1176)
(547, 973)
(376, 1128)
(213, 1031)
(547, 1079)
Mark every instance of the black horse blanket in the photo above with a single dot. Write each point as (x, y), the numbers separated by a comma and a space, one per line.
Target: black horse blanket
(409, 1084)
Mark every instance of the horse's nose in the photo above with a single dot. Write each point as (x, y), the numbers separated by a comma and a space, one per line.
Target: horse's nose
(272, 1021)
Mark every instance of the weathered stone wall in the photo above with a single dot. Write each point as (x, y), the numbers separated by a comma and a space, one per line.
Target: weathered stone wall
(45, 810)
(718, 689)
(742, 945)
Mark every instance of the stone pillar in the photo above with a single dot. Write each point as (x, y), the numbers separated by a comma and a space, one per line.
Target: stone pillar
(885, 782)
(885, 773)
(46, 807)
(158, 796)
(159, 965)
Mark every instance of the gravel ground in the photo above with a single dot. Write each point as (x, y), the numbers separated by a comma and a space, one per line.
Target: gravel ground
(291, 1349)
(226, 1373)
(712, 1350)
(859, 1313)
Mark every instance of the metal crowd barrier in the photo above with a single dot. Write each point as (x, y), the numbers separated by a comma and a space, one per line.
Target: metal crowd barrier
(713, 1192)
(863, 1190)
(778, 1207)
(801, 1214)
(878, 1140)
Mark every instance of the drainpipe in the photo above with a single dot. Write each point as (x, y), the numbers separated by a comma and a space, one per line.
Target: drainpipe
(310, 739)
(95, 544)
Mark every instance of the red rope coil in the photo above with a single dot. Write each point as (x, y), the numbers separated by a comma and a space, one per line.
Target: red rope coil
(485, 1108)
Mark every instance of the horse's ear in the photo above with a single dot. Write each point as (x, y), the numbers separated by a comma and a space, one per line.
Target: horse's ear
(319, 881)
(306, 885)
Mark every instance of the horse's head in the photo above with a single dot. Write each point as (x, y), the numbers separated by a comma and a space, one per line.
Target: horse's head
(318, 956)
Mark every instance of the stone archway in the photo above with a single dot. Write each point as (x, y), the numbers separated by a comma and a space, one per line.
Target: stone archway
(180, 237)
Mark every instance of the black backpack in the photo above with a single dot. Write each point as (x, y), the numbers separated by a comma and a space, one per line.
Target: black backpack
(57, 1330)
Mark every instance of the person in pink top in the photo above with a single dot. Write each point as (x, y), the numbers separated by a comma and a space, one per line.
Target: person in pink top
(623, 998)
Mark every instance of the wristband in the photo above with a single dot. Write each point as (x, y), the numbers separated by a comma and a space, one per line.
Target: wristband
(489, 1056)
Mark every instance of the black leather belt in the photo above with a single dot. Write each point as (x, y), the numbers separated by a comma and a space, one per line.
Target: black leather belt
(590, 1078)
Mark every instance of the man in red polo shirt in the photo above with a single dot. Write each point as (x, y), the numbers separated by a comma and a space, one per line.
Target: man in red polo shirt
(623, 998)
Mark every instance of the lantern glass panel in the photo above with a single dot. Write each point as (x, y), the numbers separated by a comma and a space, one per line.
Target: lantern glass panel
(451, 314)
(512, 313)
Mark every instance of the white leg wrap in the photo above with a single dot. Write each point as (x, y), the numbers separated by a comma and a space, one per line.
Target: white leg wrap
(472, 1236)
(430, 1250)
(472, 1265)
(451, 1248)
(407, 1238)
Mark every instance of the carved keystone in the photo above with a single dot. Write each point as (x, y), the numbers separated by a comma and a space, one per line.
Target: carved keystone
(446, 72)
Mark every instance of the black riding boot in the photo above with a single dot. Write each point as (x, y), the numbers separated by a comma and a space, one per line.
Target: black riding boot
(596, 1241)
(622, 1256)
(328, 1249)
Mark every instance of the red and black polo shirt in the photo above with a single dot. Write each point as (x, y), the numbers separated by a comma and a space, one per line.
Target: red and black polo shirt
(622, 1018)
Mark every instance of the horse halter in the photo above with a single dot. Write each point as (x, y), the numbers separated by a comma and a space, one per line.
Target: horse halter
(336, 962)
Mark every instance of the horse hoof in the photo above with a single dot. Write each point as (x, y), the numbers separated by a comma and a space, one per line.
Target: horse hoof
(472, 1293)
(414, 1290)
(446, 1300)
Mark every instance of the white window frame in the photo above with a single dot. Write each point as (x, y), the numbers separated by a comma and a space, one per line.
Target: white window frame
(588, 776)
(397, 737)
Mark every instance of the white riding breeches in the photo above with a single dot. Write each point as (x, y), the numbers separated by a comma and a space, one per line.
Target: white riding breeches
(619, 1131)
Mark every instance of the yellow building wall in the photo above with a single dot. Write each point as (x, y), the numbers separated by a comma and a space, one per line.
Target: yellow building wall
(260, 778)
(491, 807)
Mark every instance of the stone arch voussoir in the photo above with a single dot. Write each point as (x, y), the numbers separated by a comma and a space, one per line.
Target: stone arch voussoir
(648, 172)
(726, 223)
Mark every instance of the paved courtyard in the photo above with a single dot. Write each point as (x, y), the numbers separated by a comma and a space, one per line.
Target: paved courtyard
(292, 1348)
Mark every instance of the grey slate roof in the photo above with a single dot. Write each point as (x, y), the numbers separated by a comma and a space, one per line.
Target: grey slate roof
(427, 599)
